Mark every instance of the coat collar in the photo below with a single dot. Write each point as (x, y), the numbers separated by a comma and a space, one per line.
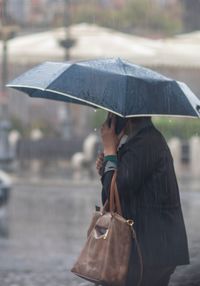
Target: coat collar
(139, 128)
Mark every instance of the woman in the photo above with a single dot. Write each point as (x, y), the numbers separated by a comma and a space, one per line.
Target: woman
(149, 195)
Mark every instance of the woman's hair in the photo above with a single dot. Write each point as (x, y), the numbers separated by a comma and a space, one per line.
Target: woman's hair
(134, 121)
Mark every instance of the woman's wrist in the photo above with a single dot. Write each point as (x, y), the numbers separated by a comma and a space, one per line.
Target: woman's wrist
(109, 152)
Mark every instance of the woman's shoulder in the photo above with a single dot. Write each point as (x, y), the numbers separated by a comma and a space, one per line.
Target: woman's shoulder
(148, 138)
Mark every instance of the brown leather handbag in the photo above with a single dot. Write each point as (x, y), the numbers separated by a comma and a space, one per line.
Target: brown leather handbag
(105, 256)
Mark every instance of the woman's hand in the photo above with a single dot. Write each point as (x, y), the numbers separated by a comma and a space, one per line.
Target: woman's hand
(109, 138)
(99, 162)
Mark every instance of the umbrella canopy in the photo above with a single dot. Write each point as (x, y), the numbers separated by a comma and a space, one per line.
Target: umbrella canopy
(114, 85)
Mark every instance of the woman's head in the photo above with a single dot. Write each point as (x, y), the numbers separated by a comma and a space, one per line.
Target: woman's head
(134, 122)
(131, 124)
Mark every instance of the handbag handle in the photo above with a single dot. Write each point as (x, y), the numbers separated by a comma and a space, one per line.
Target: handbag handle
(114, 202)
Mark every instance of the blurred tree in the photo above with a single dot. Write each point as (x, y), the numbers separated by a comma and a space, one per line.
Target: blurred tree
(182, 128)
(17, 124)
(25, 129)
(43, 125)
(136, 16)
(147, 17)
(191, 13)
(97, 118)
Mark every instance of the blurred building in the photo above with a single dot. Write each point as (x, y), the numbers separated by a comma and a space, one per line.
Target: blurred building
(50, 12)
(191, 15)
(30, 11)
(19, 10)
(1, 9)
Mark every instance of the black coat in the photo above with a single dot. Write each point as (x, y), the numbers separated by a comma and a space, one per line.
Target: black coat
(149, 195)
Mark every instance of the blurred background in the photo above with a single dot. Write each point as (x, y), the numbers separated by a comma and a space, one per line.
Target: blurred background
(48, 182)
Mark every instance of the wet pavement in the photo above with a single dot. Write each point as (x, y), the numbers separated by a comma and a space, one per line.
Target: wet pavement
(44, 228)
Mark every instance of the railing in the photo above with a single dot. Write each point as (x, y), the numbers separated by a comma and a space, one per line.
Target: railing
(50, 152)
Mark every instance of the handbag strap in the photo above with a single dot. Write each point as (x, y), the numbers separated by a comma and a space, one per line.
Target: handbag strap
(114, 202)
(140, 261)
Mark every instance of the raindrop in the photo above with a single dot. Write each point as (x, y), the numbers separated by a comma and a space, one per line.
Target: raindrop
(170, 121)
(95, 129)
(95, 110)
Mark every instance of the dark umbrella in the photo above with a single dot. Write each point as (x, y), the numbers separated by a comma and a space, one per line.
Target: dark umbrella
(115, 85)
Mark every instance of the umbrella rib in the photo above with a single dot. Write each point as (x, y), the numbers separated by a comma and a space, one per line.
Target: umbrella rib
(64, 94)
(126, 90)
(26, 86)
(162, 115)
(99, 106)
(83, 100)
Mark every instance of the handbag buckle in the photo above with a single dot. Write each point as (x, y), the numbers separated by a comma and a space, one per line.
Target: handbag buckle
(130, 222)
(106, 234)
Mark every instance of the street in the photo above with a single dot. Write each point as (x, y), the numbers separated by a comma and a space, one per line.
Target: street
(44, 227)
